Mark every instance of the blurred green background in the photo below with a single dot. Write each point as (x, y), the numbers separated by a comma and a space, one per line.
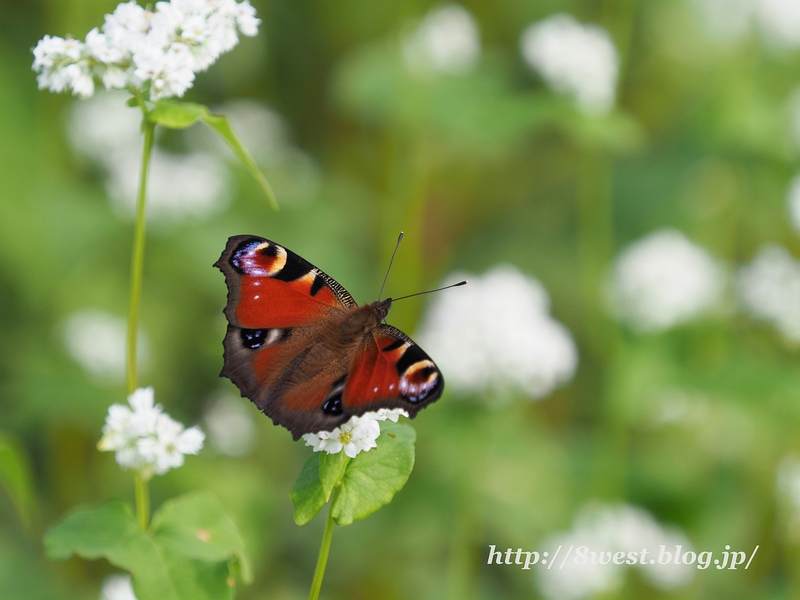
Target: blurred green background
(481, 167)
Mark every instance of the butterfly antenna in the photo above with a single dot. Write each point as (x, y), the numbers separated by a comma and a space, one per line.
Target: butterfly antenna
(399, 239)
(447, 287)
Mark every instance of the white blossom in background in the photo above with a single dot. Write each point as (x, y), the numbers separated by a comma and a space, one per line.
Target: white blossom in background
(117, 587)
(145, 438)
(356, 435)
(725, 20)
(180, 186)
(574, 59)
(769, 290)
(157, 50)
(230, 426)
(793, 202)
(293, 173)
(96, 341)
(664, 280)
(776, 21)
(446, 41)
(497, 333)
(787, 481)
(620, 528)
(787, 487)
(779, 22)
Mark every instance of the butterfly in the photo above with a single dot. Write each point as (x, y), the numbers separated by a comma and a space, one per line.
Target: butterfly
(302, 349)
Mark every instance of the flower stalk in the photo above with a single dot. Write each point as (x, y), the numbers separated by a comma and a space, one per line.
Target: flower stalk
(142, 500)
(325, 547)
(137, 257)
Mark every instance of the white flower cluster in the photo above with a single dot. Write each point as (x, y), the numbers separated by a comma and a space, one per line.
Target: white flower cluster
(621, 528)
(497, 333)
(574, 59)
(160, 50)
(664, 280)
(769, 290)
(357, 435)
(778, 21)
(446, 41)
(180, 186)
(145, 438)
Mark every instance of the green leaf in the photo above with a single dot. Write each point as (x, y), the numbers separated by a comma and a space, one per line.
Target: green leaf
(195, 526)
(179, 115)
(15, 476)
(186, 554)
(373, 478)
(110, 531)
(321, 472)
(307, 494)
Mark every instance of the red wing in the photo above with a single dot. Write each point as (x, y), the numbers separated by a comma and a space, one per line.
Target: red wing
(270, 286)
(391, 371)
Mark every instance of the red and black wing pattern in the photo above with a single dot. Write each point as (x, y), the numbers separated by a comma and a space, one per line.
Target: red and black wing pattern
(274, 297)
(391, 371)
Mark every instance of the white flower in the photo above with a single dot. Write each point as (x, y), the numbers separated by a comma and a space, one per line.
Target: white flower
(159, 50)
(357, 435)
(446, 41)
(769, 289)
(793, 202)
(145, 438)
(575, 59)
(621, 528)
(96, 340)
(230, 426)
(117, 587)
(778, 21)
(725, 19)
(664, 280)
(496, 333)
(787, 480)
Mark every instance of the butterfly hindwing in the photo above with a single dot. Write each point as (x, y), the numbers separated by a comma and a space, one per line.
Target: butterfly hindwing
(391, 371)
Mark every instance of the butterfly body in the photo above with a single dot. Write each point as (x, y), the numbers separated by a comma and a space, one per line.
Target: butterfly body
(304, 352)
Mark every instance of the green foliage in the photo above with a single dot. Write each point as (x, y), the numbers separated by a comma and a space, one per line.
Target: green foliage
(16, 478)
(187, 552)
(359, 486)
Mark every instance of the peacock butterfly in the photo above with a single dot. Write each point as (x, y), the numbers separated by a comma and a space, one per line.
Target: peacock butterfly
(304, 352)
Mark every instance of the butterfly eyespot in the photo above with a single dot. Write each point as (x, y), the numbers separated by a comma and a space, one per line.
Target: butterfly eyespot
(333, 405)
(254, 338)
(419, 380)
(258, 258)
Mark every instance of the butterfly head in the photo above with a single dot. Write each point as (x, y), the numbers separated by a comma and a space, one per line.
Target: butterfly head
(381, 308)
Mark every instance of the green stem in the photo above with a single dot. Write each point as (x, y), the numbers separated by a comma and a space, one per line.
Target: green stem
(142, 501)
(137, 259)
(324, 549)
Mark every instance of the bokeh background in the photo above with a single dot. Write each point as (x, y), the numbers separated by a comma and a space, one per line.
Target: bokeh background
(616, 178)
